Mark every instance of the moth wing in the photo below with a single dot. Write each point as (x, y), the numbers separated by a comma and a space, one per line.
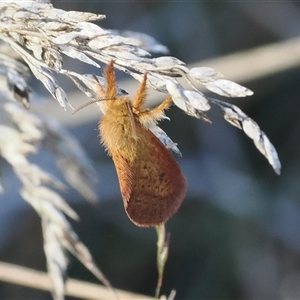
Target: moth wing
(152, 185)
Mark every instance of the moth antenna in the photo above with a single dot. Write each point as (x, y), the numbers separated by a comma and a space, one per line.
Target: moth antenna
(102, 91)
(89, 103)
(99, 86)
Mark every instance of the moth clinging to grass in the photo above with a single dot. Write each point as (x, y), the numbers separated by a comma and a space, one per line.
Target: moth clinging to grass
(151, 182)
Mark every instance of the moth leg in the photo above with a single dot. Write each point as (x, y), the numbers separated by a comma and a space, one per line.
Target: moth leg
(156, 111)
(139, 99)
(151, 116)
(110, 76)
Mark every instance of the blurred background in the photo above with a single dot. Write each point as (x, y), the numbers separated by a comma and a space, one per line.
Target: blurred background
(236, 235)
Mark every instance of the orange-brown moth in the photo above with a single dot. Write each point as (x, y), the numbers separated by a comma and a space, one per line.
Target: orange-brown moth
(150, 179)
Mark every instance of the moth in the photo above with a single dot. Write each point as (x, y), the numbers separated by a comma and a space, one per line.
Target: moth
(150, 179)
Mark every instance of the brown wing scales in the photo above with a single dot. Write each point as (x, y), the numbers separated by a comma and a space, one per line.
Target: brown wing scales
(152, 185)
